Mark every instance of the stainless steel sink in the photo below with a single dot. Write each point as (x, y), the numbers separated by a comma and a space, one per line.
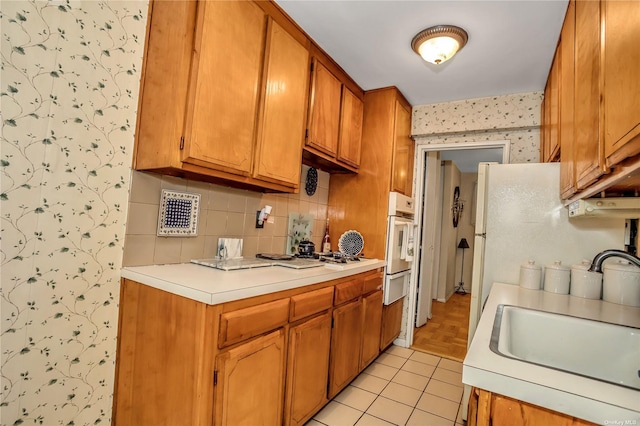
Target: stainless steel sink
(598, 350)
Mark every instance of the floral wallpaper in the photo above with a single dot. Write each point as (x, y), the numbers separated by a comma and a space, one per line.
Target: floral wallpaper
(510, 117)
(69, 91)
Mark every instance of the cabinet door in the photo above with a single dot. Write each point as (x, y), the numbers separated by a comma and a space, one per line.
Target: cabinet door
(307, 369)
(224, 86)
(350, 140)
(391, 323)
(324, 112)
(621, 68)
(372, 326)
(250, 382)
(567, 78)
(402, 173)
(282, 122)
(346, 338)
(552, 144)
(588, 146)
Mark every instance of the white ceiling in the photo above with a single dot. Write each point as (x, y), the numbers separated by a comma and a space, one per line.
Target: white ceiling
(510, 47)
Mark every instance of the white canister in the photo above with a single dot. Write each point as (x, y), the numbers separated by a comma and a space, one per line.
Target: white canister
(585, 283)
(556, 278)
(530, 275)
(621, 283)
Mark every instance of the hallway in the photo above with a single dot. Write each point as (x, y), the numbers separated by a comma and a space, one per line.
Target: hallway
(446, 333)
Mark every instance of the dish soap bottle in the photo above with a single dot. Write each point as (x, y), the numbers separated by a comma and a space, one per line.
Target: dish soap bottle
(326, 241)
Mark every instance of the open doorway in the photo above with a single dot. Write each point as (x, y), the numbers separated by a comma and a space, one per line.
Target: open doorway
(439, 295)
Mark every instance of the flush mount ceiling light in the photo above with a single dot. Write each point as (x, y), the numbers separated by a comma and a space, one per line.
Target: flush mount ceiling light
(438, 44)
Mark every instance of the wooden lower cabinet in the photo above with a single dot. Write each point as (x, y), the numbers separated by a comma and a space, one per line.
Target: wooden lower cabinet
(250, 382)
(487, 408)
(307, 369)
(371, 327)
(345, 346)
(391, 323)
(270, 360)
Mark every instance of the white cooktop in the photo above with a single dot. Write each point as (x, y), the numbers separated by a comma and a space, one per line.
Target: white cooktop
(247, 263)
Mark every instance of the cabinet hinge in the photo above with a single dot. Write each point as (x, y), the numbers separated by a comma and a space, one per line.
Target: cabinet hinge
(181, 142)
(215, 377)
(311, 66)
(332, 321)
(306, 133)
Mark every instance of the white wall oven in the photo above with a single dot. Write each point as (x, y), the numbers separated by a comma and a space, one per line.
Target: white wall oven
(400, 247)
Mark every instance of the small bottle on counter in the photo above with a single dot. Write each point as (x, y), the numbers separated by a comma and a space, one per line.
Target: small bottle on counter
(326, 241)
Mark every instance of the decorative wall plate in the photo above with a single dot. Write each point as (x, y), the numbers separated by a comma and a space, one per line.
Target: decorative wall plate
(311, 183)
(178, 215)
(351, 243)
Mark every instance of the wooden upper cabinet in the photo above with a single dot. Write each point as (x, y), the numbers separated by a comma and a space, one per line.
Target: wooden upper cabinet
(402, 172)
(588, 145)
(224, 94)
(621, 80)
(334, 125)
(551, 141)
(350, 136)
(567, 78)
(226, 70)
(324, 112)
(282, 121)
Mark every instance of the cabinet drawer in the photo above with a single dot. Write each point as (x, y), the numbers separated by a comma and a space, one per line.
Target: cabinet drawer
(348, 290)
(243, 324)
(372, 282)
(310, 303)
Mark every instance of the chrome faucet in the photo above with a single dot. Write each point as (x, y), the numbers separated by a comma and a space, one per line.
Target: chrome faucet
(596, 265)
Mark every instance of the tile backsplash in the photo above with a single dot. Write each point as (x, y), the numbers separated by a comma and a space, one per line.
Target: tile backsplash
(224, 212)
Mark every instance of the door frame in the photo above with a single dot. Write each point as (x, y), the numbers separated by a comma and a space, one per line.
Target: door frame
(418, 190)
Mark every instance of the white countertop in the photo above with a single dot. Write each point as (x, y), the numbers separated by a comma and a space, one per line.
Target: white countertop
(213, 286)
(578, 396)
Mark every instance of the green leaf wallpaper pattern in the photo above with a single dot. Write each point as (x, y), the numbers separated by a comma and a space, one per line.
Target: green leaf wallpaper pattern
(68, 91)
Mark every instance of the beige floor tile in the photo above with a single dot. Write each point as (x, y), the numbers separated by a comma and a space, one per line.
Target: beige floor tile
(459, 419)
(336, 414)
(445, 390)
(357, 398)
(448, 376)
(425, 358)
(439, 406)
(418, 368)
(370, 383)
(449, 364)
(403, 394)
(369, 420)
(382, 371)
(391, 411)
(412, 380)
(422, 418)
(313, 422)
(399, 351)
(391, 360)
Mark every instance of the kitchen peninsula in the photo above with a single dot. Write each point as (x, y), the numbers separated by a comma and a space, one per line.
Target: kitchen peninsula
(201, 346)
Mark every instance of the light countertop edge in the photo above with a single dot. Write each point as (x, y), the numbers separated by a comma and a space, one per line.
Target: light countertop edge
(578, 396)
(213, 286)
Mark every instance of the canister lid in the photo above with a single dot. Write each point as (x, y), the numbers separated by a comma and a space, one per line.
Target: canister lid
(530, 264)
(621, 265)
(557, 265)
(585, 265)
